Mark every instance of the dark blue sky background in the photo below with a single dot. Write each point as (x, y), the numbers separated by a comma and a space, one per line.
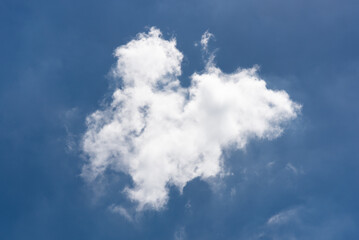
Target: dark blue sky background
(55, 57)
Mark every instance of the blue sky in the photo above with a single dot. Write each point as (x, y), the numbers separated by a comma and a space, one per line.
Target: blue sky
(55, 71)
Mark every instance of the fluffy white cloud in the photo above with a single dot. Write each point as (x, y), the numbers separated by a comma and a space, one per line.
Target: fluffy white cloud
(162, 134)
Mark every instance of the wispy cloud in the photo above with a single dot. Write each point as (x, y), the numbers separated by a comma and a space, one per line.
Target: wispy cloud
(163, 134)
(122, 211)
(205, 39)
(180, 234)
(290, 167)
(283, 217)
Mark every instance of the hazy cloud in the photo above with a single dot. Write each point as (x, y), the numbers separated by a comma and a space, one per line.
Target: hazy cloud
(122, 211)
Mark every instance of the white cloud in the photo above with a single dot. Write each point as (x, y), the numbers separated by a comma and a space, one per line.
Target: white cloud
(283, 217)
(162, 134)
(205, 39)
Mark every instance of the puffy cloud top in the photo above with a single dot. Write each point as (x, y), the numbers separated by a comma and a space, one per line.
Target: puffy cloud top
(162, 134)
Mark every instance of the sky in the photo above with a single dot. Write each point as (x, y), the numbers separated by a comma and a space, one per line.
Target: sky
(179, 120)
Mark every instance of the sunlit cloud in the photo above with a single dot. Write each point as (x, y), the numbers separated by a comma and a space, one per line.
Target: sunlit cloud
(162, 134)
